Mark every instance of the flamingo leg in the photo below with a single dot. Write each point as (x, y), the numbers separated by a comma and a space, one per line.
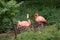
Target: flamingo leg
(42, 25)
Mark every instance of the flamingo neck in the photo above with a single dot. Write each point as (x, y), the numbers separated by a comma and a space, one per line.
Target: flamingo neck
(28, 18)
(29, 21)
(35, 17)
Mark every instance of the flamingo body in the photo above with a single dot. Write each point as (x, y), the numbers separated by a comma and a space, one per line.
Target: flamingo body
(40, 19)
(23, 23)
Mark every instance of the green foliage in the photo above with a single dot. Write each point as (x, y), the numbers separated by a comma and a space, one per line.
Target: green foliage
(15, 11)
(10, 9)
(58, 26)
(49, 33)
(50, 14)
(8, 13)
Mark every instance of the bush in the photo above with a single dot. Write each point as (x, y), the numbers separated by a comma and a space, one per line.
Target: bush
(8, 13)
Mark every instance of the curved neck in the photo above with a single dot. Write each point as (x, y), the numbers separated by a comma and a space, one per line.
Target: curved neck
(29, 21)
(28, 18)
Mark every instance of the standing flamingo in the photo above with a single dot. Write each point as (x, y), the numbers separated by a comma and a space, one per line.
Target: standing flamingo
(24, 23)
(39, 19)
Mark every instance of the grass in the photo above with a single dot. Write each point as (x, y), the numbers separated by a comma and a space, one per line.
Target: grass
(48, 33)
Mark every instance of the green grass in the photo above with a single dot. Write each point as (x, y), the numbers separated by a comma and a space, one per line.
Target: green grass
(48, 33)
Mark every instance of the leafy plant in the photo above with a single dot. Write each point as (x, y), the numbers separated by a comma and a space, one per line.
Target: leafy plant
(8, 12)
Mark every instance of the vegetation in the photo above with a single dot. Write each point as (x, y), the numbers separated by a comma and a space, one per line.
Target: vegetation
(48, 33)
(7, 14)
(13, 10)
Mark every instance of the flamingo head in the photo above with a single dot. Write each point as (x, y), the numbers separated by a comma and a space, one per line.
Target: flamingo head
(35, 15)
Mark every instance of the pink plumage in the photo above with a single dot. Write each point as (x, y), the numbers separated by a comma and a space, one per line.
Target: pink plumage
(23, 23)
(39, 18)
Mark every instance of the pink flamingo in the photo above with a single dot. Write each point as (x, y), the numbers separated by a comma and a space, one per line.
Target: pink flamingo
(39, 19)
(26, 24)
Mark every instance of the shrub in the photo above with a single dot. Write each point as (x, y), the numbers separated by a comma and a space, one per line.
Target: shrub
(8, 13)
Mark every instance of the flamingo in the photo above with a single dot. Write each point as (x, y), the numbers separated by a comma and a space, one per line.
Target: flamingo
(39, 19)
(24, 23)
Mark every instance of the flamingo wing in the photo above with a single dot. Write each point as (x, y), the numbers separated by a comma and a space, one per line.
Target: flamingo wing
(40, 19)
(24, 23)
